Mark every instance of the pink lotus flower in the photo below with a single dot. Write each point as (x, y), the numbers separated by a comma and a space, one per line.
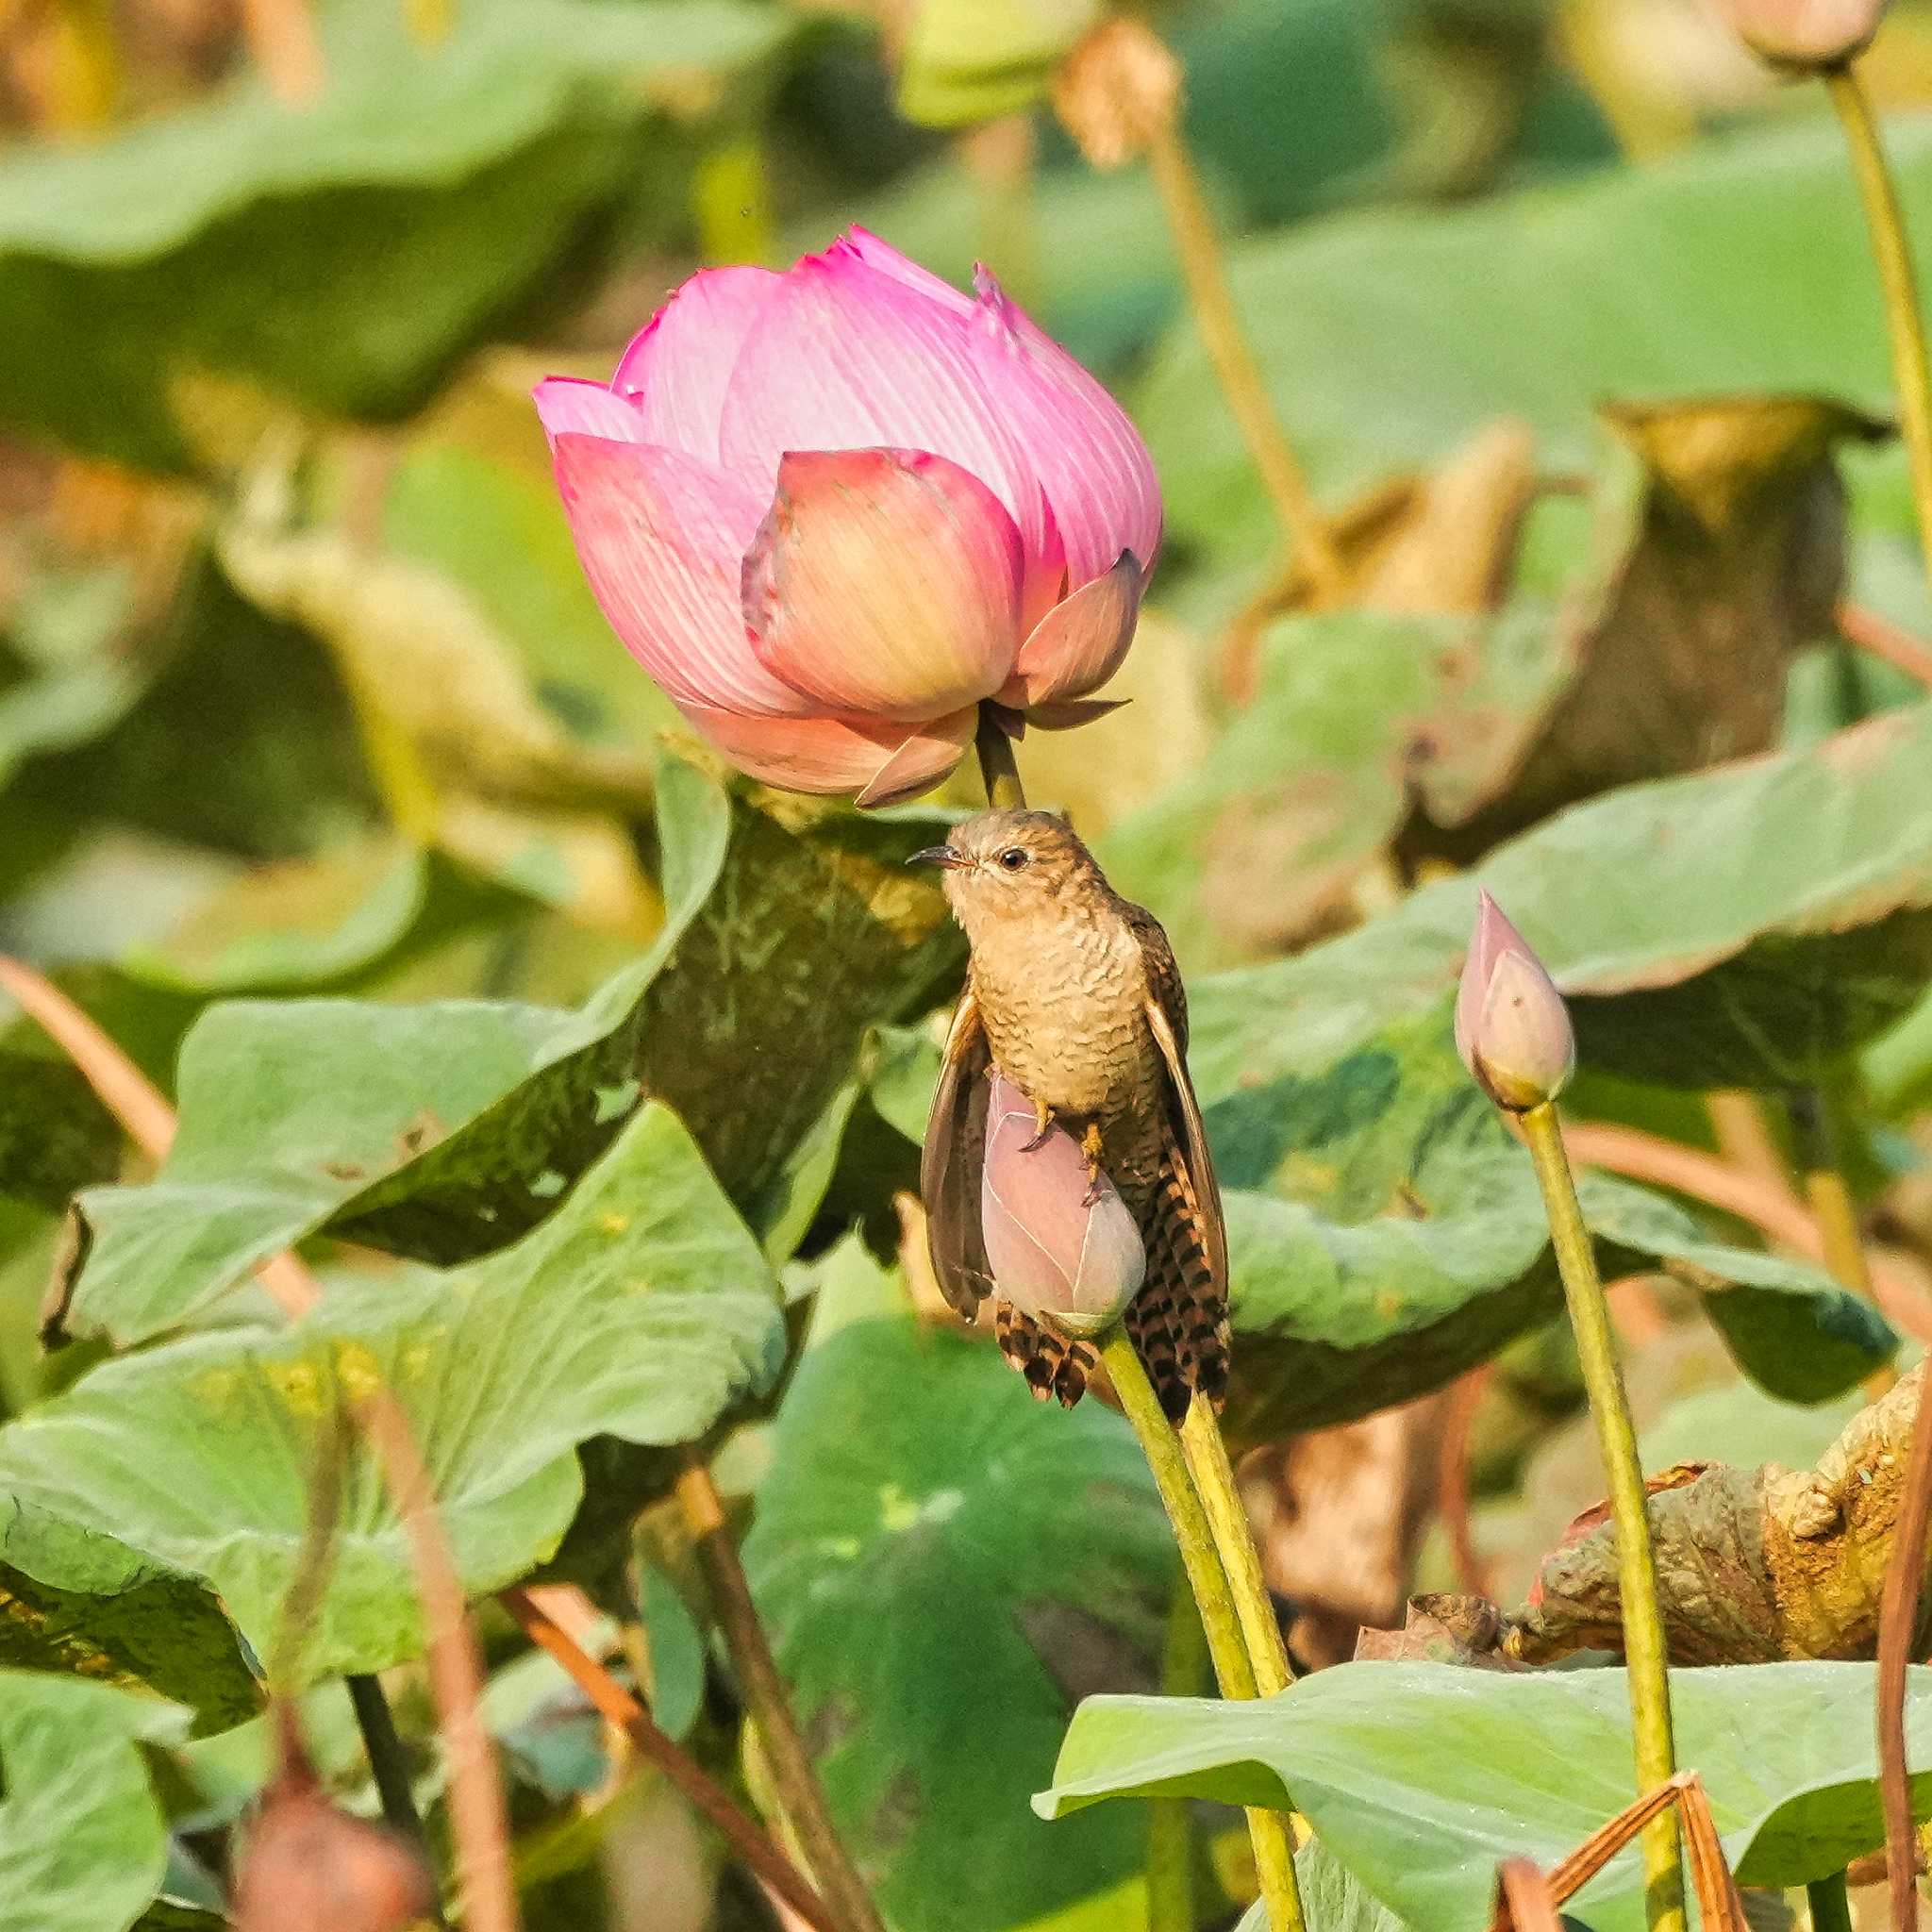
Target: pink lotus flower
(832, 510)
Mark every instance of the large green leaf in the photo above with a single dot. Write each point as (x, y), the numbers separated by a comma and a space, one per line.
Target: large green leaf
(1385, 1230)
(641, 1309)
(55, 1137)
(83, 1846)
(946, 1567)
(116, 1618)
(345, 255)
(1388, 338)
(1646, 633)
(1419, 1777)
(1745, 926)
(1391, 1235)
(441, 1130)
(318, 921)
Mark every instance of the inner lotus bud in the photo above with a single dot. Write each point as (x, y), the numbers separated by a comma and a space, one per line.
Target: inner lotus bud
(1062, 1244)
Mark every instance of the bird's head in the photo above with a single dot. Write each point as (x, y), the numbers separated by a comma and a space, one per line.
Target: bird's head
(1005, 864)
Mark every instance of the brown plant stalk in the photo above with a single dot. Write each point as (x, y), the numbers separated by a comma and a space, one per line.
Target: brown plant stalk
(800, 1797)
(1522, 1904)
(1883, 639)
(752, 1843)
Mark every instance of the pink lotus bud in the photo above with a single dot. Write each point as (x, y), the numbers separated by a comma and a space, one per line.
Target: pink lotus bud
(306, 1865)
(1513, 1028)
(1804, 34)
(833, 509)
(1062, 1246)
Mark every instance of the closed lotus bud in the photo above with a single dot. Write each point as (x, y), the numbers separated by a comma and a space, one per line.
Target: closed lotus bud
(1513, 1028)
(1804, 34)
(1062, 1247)
(308, 1866)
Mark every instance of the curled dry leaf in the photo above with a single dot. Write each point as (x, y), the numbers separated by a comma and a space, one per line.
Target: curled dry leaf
(1753, 1564)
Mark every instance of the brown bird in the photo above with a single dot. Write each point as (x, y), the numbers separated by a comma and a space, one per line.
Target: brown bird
(1072, 992)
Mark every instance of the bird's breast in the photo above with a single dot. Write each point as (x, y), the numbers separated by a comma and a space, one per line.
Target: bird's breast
(1065, 1014)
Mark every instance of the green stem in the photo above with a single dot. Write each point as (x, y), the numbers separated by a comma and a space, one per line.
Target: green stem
(386, 1762)
(1169, 1821)
(1267, 1830)
(1233, 1540)
(997, 765)
(1204, 270)
(1831, 1910)
(1644, 1655)
(1892, 250)
(1829, 1195)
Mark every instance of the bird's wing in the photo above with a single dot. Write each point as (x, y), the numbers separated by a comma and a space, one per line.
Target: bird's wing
(950, 1165)
(1188, 1246)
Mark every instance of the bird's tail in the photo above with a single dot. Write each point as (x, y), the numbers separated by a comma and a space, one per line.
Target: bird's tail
(1179, 1321)
(1053, 1367)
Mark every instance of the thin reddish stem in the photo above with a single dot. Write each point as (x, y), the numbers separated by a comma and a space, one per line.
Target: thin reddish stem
(761, 1854)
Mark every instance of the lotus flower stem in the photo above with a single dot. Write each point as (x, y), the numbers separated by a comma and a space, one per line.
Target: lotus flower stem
(1892, 250)
(1203, 268)
(1234, 1540)
(1831, 1910)
(1644, 1655)
(1169, 1821)
(997, 765)
(800, 1795)
(1267, 1830)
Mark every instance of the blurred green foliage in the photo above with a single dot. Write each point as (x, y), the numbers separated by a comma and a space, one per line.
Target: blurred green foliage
(326, 790)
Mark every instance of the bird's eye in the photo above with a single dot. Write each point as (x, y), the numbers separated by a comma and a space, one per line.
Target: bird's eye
(1012, 859)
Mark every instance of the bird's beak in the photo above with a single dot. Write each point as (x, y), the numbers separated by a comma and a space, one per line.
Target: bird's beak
(943, 855)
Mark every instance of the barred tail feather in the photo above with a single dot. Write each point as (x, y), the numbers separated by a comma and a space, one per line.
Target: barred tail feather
(1178, 1252)
(1052, 1368)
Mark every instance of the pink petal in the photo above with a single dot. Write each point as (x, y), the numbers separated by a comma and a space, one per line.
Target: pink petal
(1080, 642)
(867, 248)
(678, 365)
(882, 763)
(845, 357)
(568, 404)
(884, 582)
(1085, 450)
(662, 538)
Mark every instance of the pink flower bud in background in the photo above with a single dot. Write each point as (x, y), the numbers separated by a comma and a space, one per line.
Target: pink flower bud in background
(1803, 34)
(833, 509)
(306, 1865)
(1513, 1028)
(1073, 1264)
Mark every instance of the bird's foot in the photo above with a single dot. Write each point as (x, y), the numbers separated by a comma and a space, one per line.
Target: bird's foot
(1097, 1181)
(1043, 1120)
